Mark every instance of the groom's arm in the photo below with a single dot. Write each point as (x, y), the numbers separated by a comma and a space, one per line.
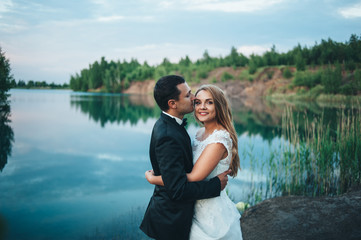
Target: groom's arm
(171, 165)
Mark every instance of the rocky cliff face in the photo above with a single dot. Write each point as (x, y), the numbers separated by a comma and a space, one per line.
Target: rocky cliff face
(270, 79)
(295, 217)
(143, 88)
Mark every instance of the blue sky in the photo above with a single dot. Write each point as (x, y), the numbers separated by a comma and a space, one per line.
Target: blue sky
(49, 40)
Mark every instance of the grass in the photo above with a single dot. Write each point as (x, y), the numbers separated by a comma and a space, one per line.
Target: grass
(312, 158)
(320, 160)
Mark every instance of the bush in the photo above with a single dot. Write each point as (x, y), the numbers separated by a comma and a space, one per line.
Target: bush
(301, 91)
(226, 76)
(307, 79)
(287, 73)
(202, 73)
(348, 89)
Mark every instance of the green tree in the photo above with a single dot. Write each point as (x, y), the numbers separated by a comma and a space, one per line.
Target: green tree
(271, 57)
(206, 58)
(5, 77)
(331, 79)
(235, 59)
(300, 62)
(94, 76)
(252, 66)
(6, 132)
(21, 84)
(186, 62)
(30, 84)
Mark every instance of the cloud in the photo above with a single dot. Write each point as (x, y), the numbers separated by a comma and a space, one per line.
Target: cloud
(12, 28)
(5, 6)
(221, 6)
(247, 50)
(351, 12)
(110, 18)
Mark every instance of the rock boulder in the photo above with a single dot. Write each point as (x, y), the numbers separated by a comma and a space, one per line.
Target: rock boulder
(295, 217)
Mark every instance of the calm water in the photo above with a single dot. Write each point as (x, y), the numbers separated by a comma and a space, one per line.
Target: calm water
(78, 160)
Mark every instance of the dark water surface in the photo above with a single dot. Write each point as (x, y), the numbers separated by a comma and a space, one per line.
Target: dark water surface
(78, 160)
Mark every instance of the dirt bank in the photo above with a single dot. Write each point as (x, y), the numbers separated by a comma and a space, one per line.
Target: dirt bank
(269, 79)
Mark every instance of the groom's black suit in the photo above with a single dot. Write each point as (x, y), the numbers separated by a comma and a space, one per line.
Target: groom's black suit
(170, 210)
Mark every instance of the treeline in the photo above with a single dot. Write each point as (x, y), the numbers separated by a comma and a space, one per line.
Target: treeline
(117, 76)
(37, 84)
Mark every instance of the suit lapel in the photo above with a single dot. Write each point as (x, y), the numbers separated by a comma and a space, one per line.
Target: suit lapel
(182, 130)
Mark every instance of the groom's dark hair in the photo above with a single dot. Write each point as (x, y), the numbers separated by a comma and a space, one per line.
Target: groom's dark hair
(166, 89)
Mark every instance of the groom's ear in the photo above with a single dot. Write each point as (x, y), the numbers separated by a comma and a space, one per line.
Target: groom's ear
(172, 104)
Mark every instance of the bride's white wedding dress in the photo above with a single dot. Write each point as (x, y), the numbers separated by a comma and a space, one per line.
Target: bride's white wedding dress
(215, 218)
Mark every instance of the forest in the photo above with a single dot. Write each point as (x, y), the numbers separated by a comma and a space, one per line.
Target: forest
(37, 84)
(340, 68)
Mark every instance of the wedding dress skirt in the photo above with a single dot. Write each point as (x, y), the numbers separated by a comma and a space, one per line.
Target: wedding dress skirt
(215, 218)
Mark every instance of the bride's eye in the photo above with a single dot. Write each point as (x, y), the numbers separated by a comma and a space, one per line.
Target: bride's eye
(196, 103)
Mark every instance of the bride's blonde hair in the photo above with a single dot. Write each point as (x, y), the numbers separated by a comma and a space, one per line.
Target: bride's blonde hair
(224, 118)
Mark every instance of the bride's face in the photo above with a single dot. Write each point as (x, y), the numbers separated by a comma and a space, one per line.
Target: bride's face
(205, 109)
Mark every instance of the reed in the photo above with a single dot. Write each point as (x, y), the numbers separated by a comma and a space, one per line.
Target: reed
(348, 149)
(317, 160)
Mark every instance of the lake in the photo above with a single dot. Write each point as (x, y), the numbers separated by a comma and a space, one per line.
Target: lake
(76, 169)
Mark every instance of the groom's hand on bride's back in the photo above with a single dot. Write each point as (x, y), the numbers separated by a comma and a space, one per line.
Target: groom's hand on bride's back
(223, 177)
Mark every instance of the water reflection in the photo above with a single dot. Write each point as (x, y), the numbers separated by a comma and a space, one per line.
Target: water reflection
(253, 116)
(115, 108)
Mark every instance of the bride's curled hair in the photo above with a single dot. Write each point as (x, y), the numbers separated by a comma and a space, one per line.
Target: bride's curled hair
(224, 117)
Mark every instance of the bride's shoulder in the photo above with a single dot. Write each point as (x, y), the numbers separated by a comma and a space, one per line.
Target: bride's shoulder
(221, 135)
(222, 132)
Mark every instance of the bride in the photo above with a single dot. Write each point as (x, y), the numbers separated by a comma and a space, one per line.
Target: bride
(215, 149)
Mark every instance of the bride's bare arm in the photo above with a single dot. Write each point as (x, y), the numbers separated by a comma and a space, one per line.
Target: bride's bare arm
(205, 164)
(208, 160)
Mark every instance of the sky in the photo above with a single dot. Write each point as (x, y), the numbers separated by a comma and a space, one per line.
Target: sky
(50, 40)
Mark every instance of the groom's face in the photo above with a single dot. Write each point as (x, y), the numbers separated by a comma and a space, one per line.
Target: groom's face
(185, 101)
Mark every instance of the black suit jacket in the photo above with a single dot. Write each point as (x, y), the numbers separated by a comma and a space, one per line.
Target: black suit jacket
(170, 210)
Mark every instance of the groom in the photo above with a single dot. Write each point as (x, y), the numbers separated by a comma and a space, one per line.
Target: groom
(170, 210)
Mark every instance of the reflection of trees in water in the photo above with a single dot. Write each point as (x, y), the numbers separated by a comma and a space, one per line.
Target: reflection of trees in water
(253, 116)
(114, 108)
(6, 134)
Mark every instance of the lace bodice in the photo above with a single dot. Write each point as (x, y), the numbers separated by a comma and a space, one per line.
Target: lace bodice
(218, 136)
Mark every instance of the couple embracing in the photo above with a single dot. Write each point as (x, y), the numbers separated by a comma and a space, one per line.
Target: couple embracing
(189, 176)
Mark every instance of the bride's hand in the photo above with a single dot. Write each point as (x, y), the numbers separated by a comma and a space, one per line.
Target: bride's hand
(148, 175)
